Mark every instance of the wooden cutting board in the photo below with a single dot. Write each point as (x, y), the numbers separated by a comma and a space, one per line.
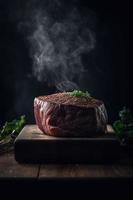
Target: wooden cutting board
(33, 146)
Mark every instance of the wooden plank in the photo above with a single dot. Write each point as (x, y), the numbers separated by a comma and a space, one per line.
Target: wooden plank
(34, 146)
(122, 168)
(10, 168)
(85, 171)
(32, 132)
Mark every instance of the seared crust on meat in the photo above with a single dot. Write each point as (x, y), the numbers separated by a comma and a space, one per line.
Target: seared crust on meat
(67, 99)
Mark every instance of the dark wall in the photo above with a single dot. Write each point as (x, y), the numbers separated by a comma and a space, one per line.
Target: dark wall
(113, 56)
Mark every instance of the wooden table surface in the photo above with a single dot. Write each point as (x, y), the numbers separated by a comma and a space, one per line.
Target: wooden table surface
(71, 179)
(74, 181)
(9, 168)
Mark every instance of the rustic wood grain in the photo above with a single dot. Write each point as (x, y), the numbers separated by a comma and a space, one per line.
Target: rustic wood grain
(32, 132)
(10, 168)
(33, 146)
(85, 171)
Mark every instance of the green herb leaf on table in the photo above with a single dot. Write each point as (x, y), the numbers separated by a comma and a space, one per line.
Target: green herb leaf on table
(119, 128)
(124, 126)
(13, 126)
(126, 116)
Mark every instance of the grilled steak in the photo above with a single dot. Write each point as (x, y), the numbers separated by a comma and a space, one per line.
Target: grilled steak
(61, 115)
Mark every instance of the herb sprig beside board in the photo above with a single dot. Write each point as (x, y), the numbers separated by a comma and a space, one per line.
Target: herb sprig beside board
(124, 126)
(13, 127)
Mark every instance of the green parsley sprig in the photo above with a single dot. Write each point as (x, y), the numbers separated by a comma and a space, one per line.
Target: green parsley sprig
(124, 125)
(79, 93)
(12, 127)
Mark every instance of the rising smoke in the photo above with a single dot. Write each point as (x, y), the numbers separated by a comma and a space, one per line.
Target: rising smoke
(69, 48)
(57, 46)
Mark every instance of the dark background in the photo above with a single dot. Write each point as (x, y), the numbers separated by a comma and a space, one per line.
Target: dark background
(113, 55)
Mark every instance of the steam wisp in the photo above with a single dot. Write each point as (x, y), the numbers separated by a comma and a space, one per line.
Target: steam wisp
(58, 46)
